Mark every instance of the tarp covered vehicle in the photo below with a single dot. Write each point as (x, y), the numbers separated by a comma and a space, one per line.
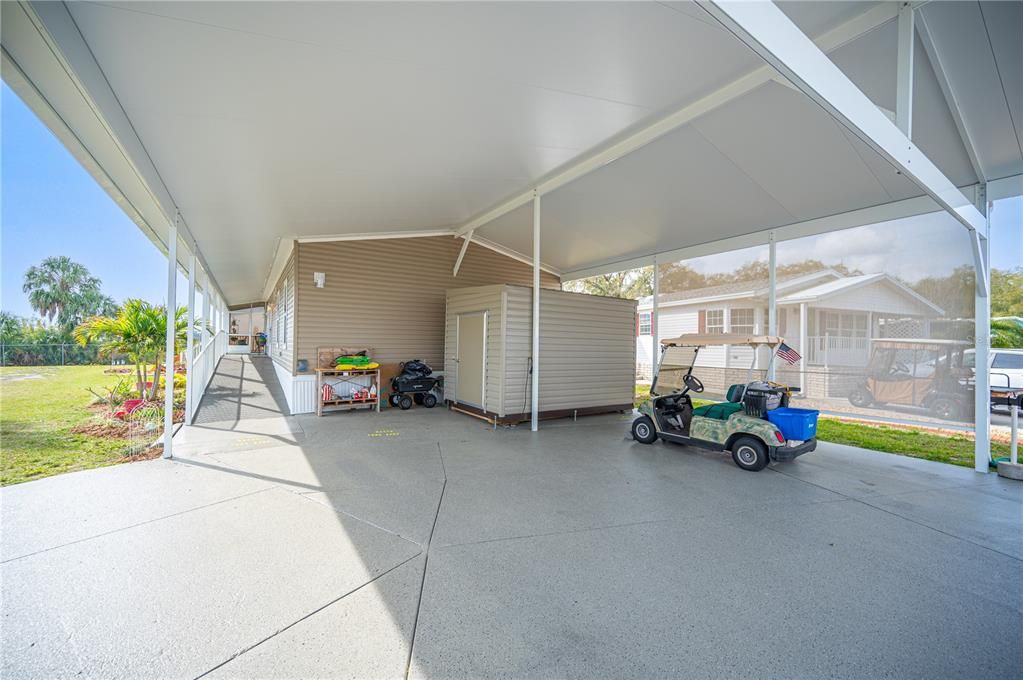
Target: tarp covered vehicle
(751, 424)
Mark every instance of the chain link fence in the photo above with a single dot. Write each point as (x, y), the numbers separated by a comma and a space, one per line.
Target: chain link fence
(68, 354)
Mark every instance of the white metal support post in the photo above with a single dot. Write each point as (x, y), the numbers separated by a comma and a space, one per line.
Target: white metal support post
(772, 296)
(982, 334)
(904, 71)
(189, 339)
(534, 422)
(655, 325)
(206, 295)
(168, 390)
(804, 348)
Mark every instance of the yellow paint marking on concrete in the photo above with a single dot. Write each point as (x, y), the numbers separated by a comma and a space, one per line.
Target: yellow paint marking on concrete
(384, 433)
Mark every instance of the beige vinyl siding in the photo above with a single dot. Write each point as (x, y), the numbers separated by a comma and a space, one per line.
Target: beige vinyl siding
(587, 350)
(480, 299)
(283, 354)
(389, 295)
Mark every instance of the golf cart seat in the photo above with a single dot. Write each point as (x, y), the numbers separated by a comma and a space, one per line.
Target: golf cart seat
(721, 411)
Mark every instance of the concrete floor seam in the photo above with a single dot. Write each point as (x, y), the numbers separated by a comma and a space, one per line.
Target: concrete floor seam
(307, 616)
(861, 501)
(426, 566)
(665, 520)
(135, 526)
(305, 495)
(937, 530)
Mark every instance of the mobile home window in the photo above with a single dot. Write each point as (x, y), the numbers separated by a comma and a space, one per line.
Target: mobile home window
(645, 323)
(715, 321)
(742, 321)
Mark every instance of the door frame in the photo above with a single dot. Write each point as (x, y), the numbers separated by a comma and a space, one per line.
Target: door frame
(458, 360)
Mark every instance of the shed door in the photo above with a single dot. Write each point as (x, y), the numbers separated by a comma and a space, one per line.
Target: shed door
(472, 358)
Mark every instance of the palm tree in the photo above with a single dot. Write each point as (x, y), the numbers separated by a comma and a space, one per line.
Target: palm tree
(62, 289)
(138, 330)
(10, 327)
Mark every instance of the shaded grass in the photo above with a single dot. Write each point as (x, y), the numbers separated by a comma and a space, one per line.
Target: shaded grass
(951, 448)
(36, 418)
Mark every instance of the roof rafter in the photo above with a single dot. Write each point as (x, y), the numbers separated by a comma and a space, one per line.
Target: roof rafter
(829, 41)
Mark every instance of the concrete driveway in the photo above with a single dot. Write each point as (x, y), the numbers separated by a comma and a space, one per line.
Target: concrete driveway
(426, 544)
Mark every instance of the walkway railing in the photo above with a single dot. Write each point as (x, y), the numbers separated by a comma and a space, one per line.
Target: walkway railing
(837, 350)
(204, 365)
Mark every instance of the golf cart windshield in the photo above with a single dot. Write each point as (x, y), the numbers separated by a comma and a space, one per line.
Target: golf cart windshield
(679, 354)
(676, 362)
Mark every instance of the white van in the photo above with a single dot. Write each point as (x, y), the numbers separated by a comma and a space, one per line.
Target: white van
(1006, 367)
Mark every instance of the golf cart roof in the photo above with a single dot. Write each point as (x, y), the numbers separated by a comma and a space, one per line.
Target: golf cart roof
(702, 339)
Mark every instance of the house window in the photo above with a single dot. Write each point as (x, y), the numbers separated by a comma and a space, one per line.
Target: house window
(845, 324)
(282, 314)
(644, 323)
(742, 321)
(715, 321)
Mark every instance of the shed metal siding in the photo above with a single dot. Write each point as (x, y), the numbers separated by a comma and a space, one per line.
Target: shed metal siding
(587, 350)
(488, 299)
(389, 295)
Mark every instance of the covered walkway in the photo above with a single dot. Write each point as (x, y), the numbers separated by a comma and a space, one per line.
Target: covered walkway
(243, 387)
(424, 542)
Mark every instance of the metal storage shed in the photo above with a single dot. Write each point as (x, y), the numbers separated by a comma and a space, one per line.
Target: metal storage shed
(586, 364)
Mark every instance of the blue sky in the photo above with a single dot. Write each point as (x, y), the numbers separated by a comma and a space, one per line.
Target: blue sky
(52, 206)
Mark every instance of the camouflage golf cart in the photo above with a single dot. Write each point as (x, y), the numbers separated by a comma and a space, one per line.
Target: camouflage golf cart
(755, 423)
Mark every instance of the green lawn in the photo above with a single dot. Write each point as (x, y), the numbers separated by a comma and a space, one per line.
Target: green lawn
(952, 449)
(36, 417)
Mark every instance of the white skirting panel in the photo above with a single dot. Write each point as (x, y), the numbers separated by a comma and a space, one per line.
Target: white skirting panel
(285, 378)
(303, 394)
(299, 390)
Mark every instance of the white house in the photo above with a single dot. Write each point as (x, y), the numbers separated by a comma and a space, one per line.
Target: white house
(829, 318)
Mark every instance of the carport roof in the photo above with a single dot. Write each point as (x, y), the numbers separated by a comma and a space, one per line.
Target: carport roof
(269, 122)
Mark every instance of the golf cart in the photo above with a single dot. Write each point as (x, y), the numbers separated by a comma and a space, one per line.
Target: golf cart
(755, 424)
(930, 374)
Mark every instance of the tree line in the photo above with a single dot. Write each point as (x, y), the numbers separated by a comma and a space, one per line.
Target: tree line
(953, 292)
(78, 323)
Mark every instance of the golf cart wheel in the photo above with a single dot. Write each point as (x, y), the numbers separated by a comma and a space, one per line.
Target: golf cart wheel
(750, 454)
(405, 402)
(429, 400)
(643, 430)
(945, 408)
(861, 397)
(418, 398)
(393, 399)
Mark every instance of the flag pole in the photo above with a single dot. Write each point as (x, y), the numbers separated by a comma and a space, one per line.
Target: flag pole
(770, 363)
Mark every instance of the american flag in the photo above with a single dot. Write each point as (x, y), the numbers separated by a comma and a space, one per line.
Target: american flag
(790, 355)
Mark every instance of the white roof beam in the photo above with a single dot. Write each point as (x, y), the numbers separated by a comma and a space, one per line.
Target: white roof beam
(768, 32)
(831, 40)
(461, 253)
(904, 71)
(951, 100)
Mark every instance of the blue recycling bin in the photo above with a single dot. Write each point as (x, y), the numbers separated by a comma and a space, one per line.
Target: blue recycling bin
(797, 424)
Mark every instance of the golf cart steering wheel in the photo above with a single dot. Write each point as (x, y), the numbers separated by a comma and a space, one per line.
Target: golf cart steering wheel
(693, 383)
